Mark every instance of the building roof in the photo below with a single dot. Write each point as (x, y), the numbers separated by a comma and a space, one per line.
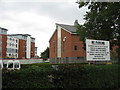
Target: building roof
(32, 38)
(3, 29)
(18, 34)
(25, 35)
(70, 28)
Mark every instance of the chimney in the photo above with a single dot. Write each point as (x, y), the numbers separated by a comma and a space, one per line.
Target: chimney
(76, 23)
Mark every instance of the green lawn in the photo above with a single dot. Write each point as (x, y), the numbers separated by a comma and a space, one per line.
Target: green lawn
(43, 75)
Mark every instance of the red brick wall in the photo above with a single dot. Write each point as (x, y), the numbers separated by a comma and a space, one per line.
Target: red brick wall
(32, 49)
(4, 44)
(68, 46)
(53, 45)
(76, 42)
(22, 49)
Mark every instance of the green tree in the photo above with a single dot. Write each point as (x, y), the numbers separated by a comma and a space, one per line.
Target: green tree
(45, 54)
(102, 21)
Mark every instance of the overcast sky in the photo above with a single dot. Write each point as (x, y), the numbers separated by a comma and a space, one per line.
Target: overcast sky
(38, 17)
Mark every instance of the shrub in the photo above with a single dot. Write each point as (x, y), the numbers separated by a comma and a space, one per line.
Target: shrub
(62, 76)
(86, 76)
(31, 76)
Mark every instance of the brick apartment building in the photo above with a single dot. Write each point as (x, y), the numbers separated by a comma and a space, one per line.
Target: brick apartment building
(16, 45)
(65, 45)
(3, 42)
(26, 48)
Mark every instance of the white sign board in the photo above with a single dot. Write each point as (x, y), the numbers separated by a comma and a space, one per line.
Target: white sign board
(97, 50)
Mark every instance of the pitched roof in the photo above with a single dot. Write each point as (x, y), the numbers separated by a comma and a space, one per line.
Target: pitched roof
(71, 28)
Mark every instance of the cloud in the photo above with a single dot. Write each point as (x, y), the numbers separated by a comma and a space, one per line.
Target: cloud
(38, 18)
(40, 27)
(38, 0)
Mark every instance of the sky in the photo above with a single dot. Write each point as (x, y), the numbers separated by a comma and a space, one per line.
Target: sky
(38, 17)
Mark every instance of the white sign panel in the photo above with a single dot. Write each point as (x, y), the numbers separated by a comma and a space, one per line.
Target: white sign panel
(97, 50)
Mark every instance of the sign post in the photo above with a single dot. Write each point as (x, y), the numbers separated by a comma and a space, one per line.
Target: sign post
(97, 50)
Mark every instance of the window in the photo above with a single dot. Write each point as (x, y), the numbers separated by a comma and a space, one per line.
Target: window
(0, 38)
(12, 50)
(16, 51)
(16, 45)
(16, 55)
(9, 54)
(12, 44)
(78, 57)
(66, 58)
(2, 31)
(75, 47)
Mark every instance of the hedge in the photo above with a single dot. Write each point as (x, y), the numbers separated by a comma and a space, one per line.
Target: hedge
(86, 76)
(62, 76)
(30, 76)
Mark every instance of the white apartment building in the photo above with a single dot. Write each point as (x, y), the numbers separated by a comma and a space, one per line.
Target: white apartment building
(12, 47)
(26, 45)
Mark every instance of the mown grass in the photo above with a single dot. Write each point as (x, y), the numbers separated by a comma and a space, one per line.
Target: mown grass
(62, 76)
